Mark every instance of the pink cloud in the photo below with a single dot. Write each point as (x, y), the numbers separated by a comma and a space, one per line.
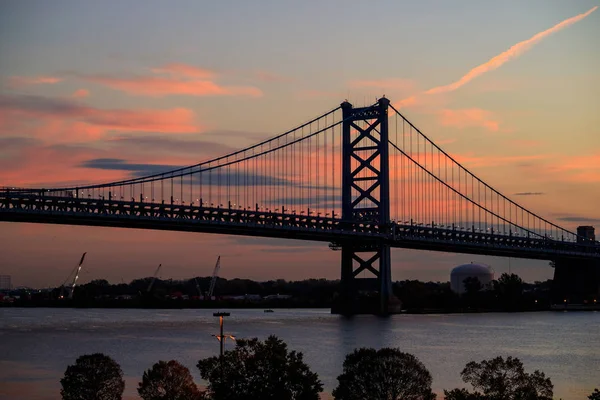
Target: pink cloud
(58, 120)
(162, 86)
(21, 81)
(470, 161)
(470, 117)
(80, 93)
(185, 70)
(174, 79)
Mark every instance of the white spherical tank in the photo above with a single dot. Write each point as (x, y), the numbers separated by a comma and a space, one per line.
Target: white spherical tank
(483, 272)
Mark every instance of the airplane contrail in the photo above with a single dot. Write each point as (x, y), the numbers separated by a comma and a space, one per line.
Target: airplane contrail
(508, 55)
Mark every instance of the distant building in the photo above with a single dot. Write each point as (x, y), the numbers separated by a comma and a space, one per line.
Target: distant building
(585, 233)
(483, 272)
(5, 283)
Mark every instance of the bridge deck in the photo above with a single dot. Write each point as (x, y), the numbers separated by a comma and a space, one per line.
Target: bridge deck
(177, 217)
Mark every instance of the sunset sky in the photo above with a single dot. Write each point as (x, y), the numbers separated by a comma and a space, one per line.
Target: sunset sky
(511, 88)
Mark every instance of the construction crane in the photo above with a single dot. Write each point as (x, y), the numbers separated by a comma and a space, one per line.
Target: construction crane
(76, 273)
(213, 281)
(198, 287)
(153, 279)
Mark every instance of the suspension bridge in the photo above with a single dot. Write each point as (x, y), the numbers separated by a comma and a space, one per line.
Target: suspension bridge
(363, 179)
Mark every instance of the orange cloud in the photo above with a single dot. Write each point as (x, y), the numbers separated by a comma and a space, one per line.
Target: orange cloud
(57, 120)
(21, 81)
(185, 70)
(482, 162)
(80, 93)
(176, 79)
(159, 86)
(470, 117)
(409, 101)
(515, 51)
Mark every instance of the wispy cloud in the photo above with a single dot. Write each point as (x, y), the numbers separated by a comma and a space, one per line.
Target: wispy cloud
(22, 81)
(168, 86)
(515, 51)
(185, 70)
(470, 117)
(80, 93)
(59, 120)
(579, 219)
(530, 194)
(173, 79)
(495, 62)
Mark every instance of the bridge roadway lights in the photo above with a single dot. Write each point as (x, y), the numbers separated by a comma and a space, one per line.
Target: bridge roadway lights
(576, 281)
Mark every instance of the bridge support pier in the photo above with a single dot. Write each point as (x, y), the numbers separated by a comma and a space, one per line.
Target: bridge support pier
(366, 201)
(576, 281)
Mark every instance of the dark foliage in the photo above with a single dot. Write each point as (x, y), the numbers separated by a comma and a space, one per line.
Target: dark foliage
(595, 395)
(462, 394)
(93, 377)
(500, 379)
(168, 381)
(260, 370)
(383, 374)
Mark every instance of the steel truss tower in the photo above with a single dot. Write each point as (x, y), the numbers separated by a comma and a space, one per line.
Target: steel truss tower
(365, 199)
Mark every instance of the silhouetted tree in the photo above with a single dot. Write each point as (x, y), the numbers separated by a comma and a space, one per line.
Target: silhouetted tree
(472, 285)
(168, 381)
(260, 370)
(509, 289)
(383, 374)
(499, 379)
(595, 395)
(93, 377)
(462, 394)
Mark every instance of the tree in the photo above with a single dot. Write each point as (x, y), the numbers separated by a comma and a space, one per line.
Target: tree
(260, 370)
(595, 395)
(383, 374)
(472, 285)
(462, 394)
(509, 289)
(501, 379)
(93, 377)
(168, 381)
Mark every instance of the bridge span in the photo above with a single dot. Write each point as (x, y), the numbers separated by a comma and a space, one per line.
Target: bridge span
(363, 179)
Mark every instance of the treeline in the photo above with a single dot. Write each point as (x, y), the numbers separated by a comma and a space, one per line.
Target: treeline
(269, 370)
(508, 293)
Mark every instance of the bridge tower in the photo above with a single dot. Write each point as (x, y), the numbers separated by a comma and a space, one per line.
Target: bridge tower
(366, 200)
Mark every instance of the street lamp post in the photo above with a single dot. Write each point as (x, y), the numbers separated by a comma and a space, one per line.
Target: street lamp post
(221, 337)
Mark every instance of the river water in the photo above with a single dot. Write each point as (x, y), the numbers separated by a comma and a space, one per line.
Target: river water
(36, 345)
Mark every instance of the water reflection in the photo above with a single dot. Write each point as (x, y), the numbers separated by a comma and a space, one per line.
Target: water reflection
(36, 345)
